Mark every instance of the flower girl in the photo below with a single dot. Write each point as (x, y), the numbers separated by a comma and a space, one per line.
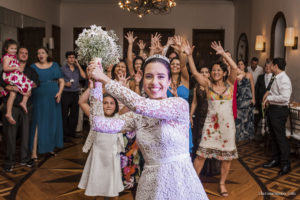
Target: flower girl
(102, 172)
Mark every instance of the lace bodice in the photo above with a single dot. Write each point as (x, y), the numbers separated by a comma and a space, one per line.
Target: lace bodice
(162, 125)
(162, 131)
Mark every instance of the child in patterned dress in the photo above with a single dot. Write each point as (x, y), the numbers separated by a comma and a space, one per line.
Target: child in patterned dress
(13, 76)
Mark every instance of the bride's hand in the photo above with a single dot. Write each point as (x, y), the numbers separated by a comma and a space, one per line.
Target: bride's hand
(96, 73)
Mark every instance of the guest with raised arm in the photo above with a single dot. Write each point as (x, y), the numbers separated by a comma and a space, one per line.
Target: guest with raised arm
(198, 115)
(156, 47)
(143, 52)
(218, 136)
(162, 130)
(134, 65)
(180, 80)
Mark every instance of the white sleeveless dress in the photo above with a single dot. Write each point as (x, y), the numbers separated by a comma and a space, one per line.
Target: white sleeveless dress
(102, 171)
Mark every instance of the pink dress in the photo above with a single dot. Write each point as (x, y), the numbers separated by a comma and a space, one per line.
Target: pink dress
(16, 77)
(162, 134)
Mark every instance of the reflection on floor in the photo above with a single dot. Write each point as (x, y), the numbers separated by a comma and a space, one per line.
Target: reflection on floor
(57, 178)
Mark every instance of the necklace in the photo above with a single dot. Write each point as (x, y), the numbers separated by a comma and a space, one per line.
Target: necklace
(220, 95)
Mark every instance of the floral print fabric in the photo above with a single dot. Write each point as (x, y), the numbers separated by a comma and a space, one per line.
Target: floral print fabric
(16, 77)
(218, 138)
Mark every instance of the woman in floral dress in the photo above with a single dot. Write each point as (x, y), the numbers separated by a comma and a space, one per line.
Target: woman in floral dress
(218, 137)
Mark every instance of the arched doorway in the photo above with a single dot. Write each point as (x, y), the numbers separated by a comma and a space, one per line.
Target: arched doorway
(277, 36)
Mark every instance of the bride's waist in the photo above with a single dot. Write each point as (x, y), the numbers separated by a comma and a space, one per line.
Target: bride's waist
(160, 161)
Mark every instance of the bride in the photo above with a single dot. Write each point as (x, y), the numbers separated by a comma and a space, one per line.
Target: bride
(162, 131)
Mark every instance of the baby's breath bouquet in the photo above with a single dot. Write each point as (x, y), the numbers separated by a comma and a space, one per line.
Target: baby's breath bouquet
(98, 45)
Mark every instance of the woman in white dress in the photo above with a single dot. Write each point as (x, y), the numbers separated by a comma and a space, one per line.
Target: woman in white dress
(102, 172)
(162, 131)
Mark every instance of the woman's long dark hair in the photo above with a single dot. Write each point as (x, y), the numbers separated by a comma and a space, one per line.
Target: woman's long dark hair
(224, 68)
(243, 61)
(134, 61)
(179, 77)
(165, 63)
(113, 76)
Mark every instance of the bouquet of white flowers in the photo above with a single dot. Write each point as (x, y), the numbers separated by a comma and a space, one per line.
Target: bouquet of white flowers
(98, 45)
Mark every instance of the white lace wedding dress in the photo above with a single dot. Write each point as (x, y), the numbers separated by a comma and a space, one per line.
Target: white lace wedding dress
(162, 128)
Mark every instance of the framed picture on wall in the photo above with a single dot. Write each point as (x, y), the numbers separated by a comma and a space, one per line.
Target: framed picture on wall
(242, 50)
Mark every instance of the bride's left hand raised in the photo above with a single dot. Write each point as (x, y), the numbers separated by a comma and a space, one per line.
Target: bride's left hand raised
(96, 73)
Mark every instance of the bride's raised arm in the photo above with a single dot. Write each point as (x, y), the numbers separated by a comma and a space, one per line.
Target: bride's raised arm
(169, 108)
(100, 123)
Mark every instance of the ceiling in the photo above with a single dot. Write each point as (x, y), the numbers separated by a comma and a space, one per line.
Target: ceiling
(115, 1)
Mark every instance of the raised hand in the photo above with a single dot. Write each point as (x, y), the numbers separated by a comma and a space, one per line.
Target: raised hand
(154, 38)
(96, 73)
(187, 49)
(156, 47)
(138, 76)
(123, 80)
(173, 89)
(217, 47)
(141, 44)
(170, 41)
(130, 38)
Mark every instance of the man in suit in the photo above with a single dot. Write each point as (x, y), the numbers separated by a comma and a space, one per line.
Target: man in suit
(260, 89)
(278, 99)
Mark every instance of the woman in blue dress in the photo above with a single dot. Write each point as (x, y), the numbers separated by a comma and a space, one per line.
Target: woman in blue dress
(180, 81)
(46, 130)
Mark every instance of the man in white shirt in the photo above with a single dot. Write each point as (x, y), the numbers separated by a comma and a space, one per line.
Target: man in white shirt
(255, 69)
(278, 99)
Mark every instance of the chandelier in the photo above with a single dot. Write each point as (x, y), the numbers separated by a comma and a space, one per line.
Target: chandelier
(143, 7)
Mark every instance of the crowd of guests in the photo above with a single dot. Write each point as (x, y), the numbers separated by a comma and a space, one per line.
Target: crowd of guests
(50, 111)
(228, 101)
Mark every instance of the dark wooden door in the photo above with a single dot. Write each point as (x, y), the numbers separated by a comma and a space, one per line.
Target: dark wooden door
(56, 38)
(145, 35)
(202, 38)
(32, 39)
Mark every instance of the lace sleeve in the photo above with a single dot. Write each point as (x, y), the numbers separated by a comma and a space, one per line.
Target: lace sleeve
(122, 124)
(174, 108)
(100, 123)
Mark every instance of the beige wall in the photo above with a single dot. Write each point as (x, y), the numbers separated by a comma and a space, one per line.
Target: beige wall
(46, 10)
(184, 17)
(262, 13)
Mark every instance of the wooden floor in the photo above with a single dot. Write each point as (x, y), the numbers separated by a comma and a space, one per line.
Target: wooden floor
(58, 177)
